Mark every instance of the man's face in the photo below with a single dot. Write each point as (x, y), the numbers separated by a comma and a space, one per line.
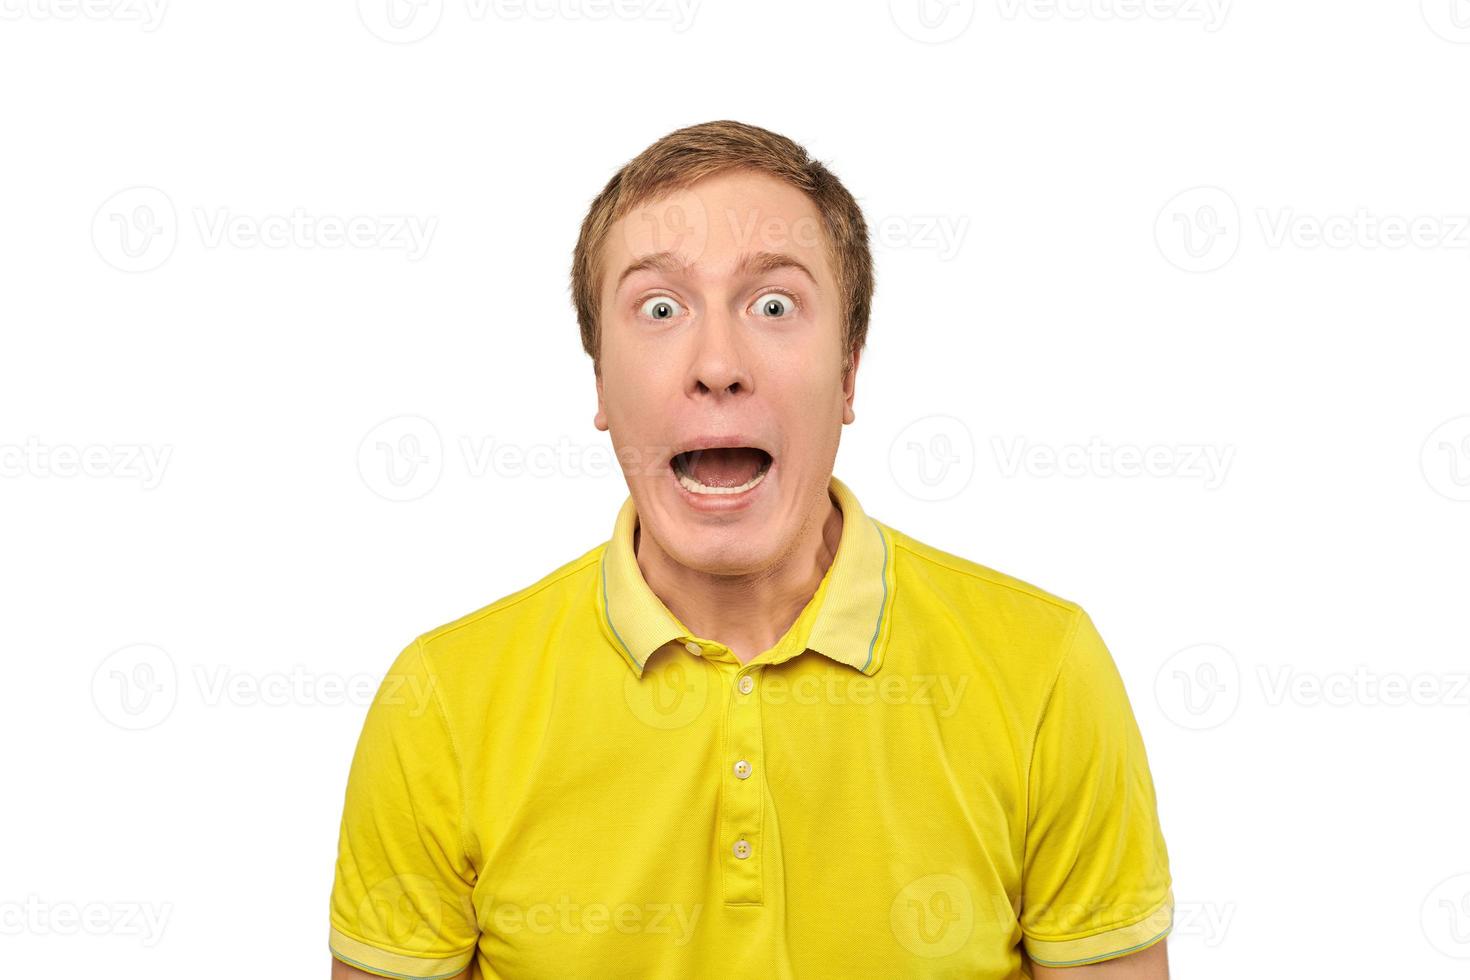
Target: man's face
(721, 327)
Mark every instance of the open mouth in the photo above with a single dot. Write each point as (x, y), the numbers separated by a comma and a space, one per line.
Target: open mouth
(731, 470)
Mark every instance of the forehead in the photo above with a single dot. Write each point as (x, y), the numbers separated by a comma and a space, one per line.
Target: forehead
(716, 223)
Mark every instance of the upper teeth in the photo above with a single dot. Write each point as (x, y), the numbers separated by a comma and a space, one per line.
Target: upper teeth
(694, 486)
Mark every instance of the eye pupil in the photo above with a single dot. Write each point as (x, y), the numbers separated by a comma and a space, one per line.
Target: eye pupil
(662, 311)
(775, 307)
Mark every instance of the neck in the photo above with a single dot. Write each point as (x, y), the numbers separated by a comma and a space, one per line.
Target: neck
(747, 613)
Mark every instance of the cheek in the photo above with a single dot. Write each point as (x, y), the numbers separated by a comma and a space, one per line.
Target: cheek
(625, 367)
(638, 397)
(812, 413)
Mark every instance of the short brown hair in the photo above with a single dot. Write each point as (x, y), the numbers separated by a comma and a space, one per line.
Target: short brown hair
(687, 155)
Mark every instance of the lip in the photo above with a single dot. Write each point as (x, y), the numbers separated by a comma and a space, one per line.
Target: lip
(696, 443)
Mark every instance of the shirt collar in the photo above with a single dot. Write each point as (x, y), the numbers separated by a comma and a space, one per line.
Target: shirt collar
(850, 626)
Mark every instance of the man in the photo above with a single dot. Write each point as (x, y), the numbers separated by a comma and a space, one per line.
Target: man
(757, 733)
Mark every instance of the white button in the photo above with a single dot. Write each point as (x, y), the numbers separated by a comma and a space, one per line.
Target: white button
(742, 849)
(747, 684)
(693, 648)
(742, 769)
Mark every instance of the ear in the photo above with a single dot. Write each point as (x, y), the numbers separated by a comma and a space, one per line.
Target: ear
(849, 387)
(600, 419)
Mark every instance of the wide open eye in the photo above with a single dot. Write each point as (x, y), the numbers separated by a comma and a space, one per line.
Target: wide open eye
(661, 308)
(774, 305)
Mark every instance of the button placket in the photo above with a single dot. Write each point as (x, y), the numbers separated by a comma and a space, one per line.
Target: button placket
(743, 795)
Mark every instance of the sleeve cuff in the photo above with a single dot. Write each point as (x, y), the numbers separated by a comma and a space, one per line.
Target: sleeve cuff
(386, 963)
(1105, 945)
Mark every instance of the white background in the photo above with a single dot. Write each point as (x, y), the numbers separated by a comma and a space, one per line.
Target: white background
(1190, 231)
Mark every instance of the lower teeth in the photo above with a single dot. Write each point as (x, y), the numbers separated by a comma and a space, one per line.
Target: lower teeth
(694, 486)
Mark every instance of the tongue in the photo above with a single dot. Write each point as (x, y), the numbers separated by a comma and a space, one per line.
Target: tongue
(725, 467)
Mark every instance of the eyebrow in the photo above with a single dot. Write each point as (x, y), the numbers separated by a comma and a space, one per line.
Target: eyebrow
(762, 262)
(758, 263)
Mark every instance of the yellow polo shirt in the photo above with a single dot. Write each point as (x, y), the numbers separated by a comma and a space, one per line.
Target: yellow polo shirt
(935, 768)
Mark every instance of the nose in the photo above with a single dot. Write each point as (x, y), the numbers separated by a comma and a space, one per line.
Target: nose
(720, 363)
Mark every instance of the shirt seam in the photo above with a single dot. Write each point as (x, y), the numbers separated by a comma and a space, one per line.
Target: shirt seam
(459, 779)
(378, 971)
(1069, 643)
(1104, 957)
(514, 599)
(1034, 592)
(1152, 911)
(396, 951)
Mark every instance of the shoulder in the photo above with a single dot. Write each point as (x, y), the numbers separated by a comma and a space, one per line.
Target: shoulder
(1010, 621)
(509, 630)
(932, 568)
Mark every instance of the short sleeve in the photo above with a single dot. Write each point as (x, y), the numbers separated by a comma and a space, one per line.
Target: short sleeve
(1096, 881)
(401, 898)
